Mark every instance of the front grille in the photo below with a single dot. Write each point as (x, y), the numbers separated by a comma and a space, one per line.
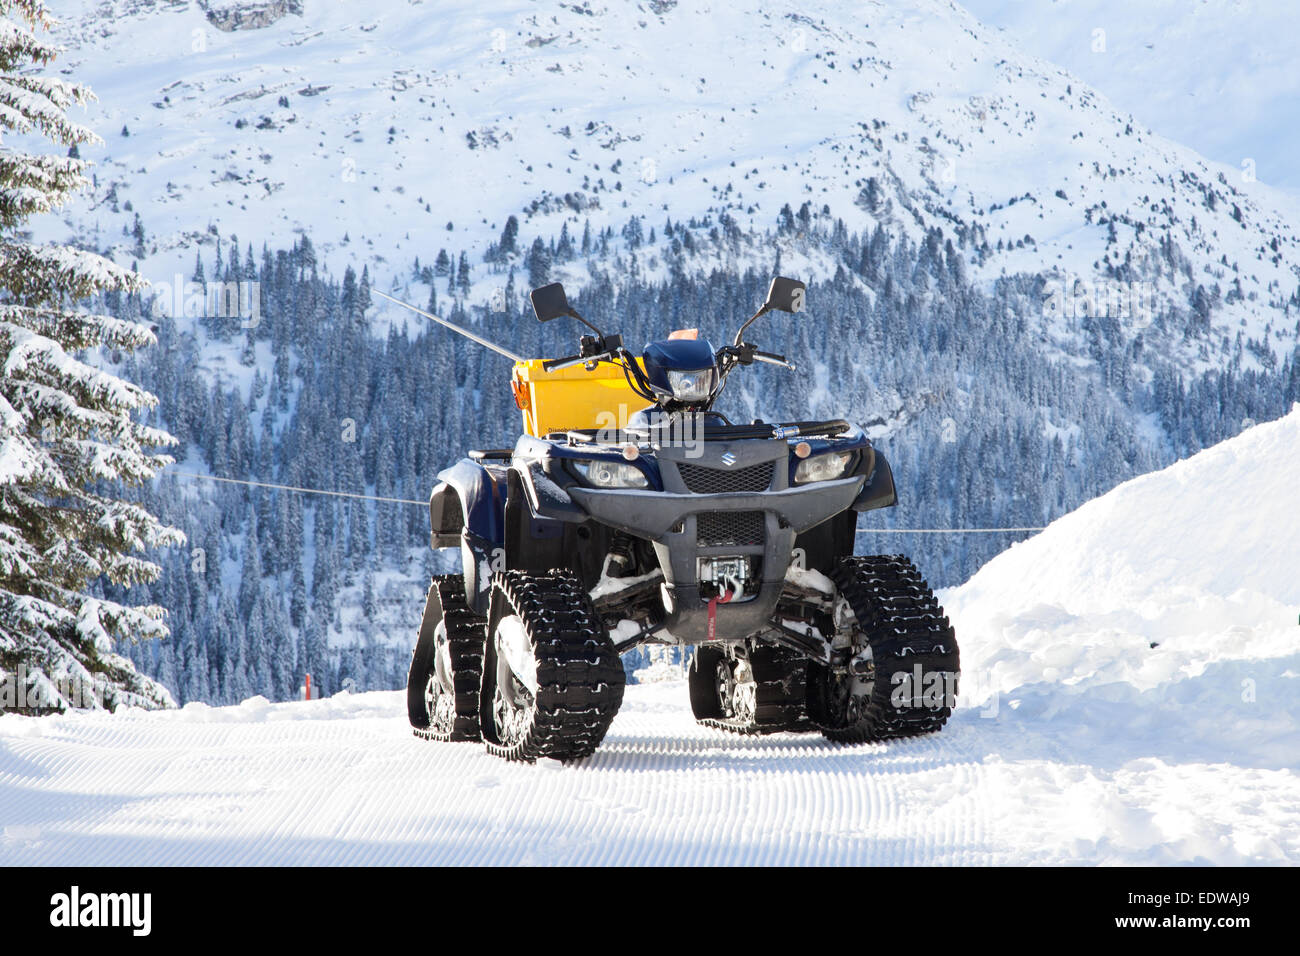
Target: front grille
(729, 529)
(719, 481)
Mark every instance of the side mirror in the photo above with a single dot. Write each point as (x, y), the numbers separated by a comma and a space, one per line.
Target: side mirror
(550, 302)
(786, 295)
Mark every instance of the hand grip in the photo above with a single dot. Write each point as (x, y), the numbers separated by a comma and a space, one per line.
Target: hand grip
(771, 358)
(554, 365)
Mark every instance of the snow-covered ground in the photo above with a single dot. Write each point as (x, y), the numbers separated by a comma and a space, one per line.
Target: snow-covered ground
(1077, 742)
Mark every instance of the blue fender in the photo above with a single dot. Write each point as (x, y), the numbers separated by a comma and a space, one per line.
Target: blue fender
(467, 508)
(878, 490)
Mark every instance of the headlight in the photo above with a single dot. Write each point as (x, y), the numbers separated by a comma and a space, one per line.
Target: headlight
(695, 385)
(611, 474)
(823, 467)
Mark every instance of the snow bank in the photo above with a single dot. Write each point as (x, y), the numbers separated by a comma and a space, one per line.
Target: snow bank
(1211, 540)
(1148, 644)
(1200, 559)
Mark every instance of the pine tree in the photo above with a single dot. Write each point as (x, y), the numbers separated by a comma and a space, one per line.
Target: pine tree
(282, 652)
(349, 300)
(462, 275)
(313, 656)
(250, 580)
(564, 247)
(368, 606)
(509, 238)
(68, 431)
(539, 264)
(363, 293)
(260, 677)
(297, 596)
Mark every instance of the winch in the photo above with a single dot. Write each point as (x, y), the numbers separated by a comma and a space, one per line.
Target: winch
(724, 577)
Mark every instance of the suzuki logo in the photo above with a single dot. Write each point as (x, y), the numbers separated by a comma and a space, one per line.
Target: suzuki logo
(728, 459)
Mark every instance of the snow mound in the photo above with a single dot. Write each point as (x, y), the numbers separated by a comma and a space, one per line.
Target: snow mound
(1164, 611)
(1220, 529)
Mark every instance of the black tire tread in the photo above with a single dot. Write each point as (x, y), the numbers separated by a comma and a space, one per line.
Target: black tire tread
(780, 678)
(579, 674)
(465, 634)
(905, 626)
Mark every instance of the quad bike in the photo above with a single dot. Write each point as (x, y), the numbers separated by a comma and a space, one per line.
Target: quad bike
(603, 530)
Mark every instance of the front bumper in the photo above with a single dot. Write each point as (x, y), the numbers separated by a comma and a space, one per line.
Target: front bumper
(684, 526)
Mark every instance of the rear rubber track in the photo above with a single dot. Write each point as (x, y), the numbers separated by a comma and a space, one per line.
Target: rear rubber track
(780, 678)
(465, 634)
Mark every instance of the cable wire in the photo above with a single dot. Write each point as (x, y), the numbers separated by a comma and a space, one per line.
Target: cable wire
(422, 504)
(305, 491)
(941, 530)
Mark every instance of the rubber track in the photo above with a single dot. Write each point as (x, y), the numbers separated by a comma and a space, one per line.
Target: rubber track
(579, 674)
(465, 633)
(780, 676)
(905, 627)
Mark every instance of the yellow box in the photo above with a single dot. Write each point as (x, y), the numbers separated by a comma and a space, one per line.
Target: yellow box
(572, 397)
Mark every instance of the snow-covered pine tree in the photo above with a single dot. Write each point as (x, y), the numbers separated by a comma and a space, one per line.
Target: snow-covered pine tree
(68, 431)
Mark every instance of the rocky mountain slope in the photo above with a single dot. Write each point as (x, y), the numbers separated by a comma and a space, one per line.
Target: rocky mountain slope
(381, 128)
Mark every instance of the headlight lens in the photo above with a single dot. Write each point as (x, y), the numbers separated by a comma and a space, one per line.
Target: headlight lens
(611, 474)
(823, 467)
(695, 385)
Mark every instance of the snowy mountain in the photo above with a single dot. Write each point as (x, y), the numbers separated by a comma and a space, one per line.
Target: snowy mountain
(1216, 75)
(1076, 740)
(404, 125)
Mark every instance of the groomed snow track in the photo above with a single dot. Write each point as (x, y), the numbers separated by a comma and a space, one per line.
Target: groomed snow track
(342, 781)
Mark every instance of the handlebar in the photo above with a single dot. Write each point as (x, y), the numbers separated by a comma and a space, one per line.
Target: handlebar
(744, 354)
(747, 354)
(555, 365)
(771, 358)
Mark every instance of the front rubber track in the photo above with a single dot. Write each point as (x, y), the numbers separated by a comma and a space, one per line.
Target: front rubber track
(579, 674)
(909, 635)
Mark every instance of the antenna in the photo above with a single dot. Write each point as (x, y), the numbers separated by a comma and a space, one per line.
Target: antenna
(454, 327)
